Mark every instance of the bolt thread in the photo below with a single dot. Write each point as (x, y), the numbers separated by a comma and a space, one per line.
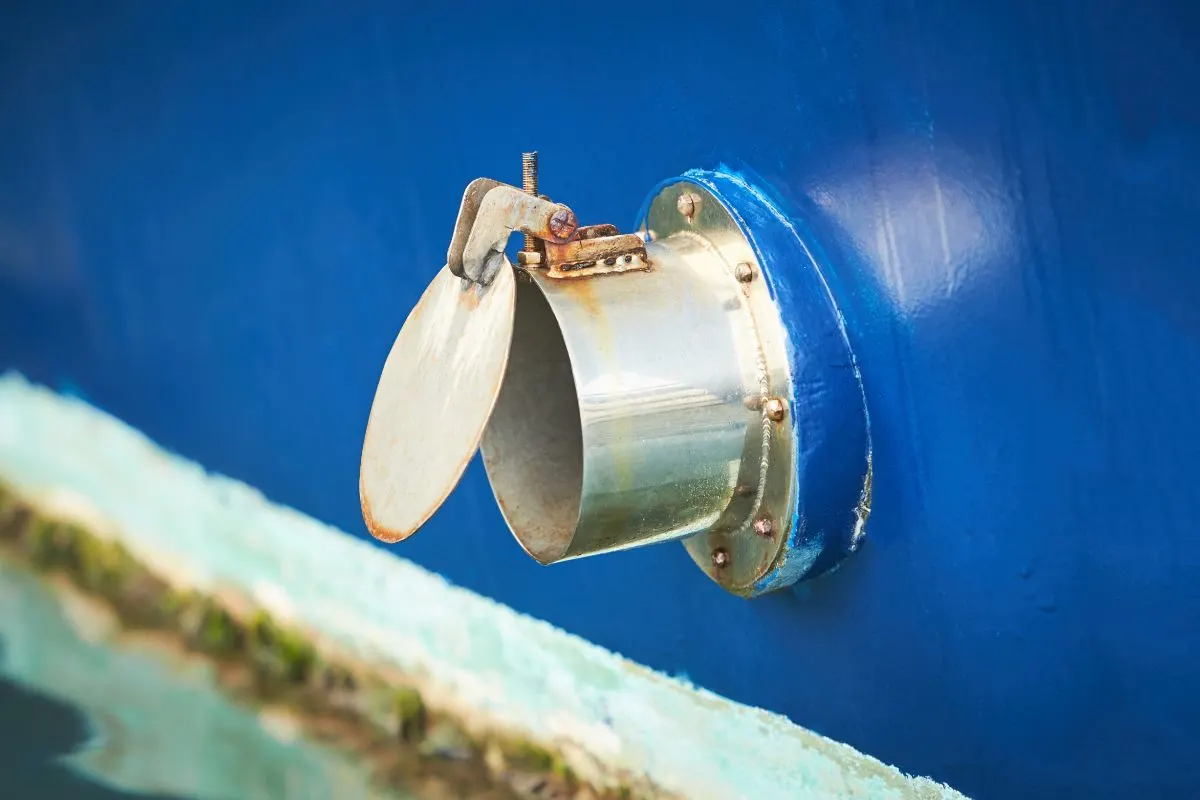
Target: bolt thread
(529, 183)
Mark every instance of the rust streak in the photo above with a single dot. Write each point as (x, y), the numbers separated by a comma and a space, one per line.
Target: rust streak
(584, 295)
(376, 529)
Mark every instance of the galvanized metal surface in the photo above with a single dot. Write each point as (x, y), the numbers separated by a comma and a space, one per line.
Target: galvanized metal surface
(659, 375)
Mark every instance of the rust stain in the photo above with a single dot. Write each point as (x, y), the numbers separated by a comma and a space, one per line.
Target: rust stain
(584, 294)
(590, 248)
(378, 530)
(597, 231)
(469, 298)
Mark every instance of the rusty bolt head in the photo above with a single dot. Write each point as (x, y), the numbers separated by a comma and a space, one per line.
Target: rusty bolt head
(776, 409)
(763, 526)
(721, 558)
(563, 224)
(688, 204)
(744, 272)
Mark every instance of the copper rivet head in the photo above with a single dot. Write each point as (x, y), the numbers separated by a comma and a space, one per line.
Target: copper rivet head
(721, 558)
(563, 223)
(744, 272)
(764, 527)
(776, 409)
(688, 204)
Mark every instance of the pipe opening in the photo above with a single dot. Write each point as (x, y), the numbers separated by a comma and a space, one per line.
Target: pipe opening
(533, 444)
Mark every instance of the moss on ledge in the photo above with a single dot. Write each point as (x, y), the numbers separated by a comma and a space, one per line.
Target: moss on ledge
(350, 706)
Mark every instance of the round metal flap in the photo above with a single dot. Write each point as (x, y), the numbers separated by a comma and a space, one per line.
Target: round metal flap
(438, 388)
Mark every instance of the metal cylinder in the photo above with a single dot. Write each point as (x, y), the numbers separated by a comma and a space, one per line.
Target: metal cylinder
(628, 406)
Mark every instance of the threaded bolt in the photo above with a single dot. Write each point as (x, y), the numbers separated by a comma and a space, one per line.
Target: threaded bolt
(529, 184)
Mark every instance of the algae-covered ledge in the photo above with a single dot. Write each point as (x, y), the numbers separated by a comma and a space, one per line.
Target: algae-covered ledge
(280, 599)
(381, 717)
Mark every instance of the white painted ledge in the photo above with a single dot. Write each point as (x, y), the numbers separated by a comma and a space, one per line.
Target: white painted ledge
(473, 657)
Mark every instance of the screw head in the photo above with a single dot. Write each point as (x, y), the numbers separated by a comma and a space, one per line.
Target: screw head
(744, 272)
(563, 223)
(721, 558)
(775, 409)
(763, 526)
(688, 204)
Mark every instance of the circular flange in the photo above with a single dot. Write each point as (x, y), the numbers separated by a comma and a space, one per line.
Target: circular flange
(804, 490)
(743, 545)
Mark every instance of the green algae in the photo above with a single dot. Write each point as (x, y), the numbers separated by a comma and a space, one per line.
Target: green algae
(411, 714)
(285, 664)
(279, 656)
(527, 755)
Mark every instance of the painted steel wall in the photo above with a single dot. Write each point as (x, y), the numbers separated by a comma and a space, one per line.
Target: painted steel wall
(213, 221)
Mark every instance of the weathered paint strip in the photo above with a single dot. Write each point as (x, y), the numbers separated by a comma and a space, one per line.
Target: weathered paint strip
(608, 717)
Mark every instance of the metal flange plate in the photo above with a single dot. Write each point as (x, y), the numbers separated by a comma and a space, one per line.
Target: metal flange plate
(746, 543)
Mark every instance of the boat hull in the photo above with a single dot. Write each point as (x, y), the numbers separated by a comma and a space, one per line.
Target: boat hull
(213, 223)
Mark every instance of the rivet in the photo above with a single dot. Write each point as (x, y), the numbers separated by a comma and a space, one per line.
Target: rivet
(688, 204)
(744, 272)
(763, 526)
(776, 409)
(721, 558)
(563, 223)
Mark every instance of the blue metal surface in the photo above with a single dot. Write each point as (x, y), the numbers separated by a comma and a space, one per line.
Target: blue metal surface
(213, 221)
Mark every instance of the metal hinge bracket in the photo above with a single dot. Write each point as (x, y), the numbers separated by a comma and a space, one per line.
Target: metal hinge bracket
(491, 211)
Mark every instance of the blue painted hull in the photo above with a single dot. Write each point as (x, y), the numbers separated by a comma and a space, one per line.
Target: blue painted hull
(212, 223)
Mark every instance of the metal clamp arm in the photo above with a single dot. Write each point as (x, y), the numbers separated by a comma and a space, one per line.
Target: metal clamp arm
(490, 212)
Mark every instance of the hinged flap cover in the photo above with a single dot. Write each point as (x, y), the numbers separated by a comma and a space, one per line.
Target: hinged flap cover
(437, 390)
